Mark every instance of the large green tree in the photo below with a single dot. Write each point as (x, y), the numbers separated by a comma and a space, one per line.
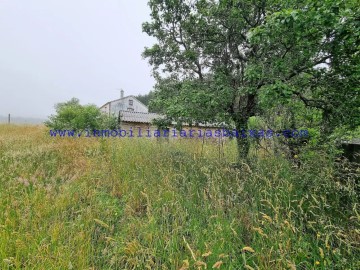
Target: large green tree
(220, 60)
(312, 55)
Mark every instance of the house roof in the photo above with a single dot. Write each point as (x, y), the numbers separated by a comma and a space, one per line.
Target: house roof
(124, 98)
(352, 141)
(138, 117)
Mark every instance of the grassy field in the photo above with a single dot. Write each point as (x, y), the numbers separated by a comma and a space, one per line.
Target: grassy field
(91, 203)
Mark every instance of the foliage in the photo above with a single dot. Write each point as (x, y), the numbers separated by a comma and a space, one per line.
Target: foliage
(73, 116)
(312, 55)
(229, 60)
(146, 100)
(161, 123)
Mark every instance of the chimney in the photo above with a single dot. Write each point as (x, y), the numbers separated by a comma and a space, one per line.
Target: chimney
(121, 93)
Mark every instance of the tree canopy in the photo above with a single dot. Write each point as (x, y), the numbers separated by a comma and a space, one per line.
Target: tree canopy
(229, 60)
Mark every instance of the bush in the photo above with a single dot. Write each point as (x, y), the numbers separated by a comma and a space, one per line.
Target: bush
(74, 116)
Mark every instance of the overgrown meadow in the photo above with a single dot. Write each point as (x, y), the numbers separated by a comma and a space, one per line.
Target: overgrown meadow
(91, 203)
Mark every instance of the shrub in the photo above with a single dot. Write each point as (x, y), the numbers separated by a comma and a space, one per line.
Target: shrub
(74, 116)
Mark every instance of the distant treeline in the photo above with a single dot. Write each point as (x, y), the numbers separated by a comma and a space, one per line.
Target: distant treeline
(146, 100)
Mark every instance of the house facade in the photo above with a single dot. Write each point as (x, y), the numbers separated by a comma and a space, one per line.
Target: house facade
(128, 103)
(135, 116)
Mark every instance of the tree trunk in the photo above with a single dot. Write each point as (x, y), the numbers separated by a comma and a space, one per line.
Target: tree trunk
(242, 141)
(243, 108)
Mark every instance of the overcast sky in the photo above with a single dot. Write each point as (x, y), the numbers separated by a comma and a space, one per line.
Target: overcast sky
(53, 50)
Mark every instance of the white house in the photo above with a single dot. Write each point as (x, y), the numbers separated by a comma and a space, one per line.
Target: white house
(134, 114)
(128, 103)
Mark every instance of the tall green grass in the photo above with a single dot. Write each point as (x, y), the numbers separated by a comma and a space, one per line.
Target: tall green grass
(91, 203)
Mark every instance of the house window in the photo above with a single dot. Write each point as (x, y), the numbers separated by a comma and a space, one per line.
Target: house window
(131, 102)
